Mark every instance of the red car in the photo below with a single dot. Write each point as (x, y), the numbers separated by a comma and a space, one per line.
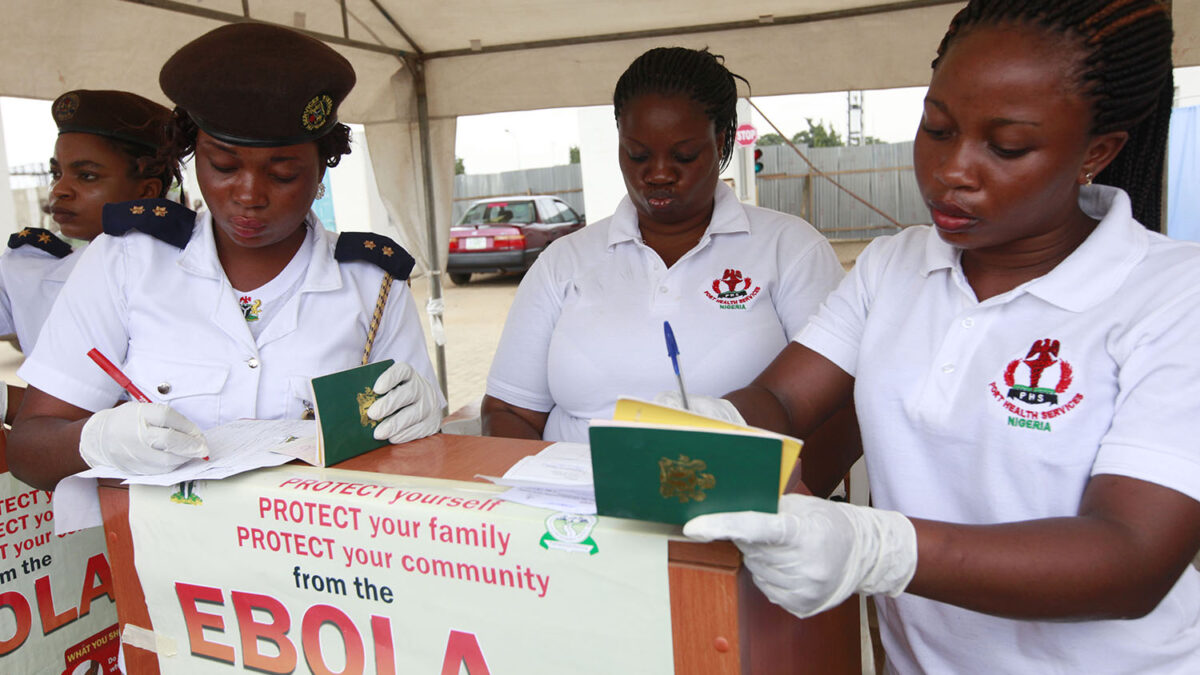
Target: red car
(507, 234)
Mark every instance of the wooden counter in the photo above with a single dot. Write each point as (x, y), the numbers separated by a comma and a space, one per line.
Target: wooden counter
(722, 624)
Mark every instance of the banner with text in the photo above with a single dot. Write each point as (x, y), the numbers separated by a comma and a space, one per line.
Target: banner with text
(331, 571)
(57, 614)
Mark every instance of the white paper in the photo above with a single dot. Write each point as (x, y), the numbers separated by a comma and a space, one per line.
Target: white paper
(554, 498)
(557, 478)
(561, 464)
(236, 447)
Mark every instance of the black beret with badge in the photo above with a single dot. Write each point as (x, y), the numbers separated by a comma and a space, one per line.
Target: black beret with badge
(258, 85)
(114, 114)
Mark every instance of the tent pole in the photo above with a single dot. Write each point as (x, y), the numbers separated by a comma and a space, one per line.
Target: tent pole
(435, 268)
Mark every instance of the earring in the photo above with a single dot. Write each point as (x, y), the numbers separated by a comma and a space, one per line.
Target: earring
(321, 189)
(1087, 178)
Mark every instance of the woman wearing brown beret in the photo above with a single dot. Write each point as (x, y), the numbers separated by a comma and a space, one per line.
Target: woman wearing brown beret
(226, 314)
(106, 151)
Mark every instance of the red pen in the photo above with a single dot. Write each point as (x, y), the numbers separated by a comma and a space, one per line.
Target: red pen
(120, 378)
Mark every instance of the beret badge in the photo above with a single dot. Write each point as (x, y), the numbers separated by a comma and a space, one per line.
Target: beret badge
(316, 112)
(65, 107)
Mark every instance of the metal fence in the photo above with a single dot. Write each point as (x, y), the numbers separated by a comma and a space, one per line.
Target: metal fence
(564, 182)
(881, 174)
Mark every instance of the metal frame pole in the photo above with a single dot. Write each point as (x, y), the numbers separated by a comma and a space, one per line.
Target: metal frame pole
(435, 270)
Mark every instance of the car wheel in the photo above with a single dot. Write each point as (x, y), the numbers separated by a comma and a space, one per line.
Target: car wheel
(460, 278)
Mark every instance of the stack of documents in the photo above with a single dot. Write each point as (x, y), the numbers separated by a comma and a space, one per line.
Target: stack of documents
(557, 478)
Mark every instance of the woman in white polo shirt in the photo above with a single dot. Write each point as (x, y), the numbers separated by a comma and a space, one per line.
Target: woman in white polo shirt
(736, 282)
(1024, 371)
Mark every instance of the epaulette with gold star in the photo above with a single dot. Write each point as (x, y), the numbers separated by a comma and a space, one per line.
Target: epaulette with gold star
(376, 249)
(160, 218)
(40, 238)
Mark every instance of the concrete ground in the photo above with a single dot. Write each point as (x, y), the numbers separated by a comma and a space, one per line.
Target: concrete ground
(474, 319)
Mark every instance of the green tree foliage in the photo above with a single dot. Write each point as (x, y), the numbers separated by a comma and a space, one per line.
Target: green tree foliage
(817, 136)
(574, 156)
(459, 167)
(769, 139)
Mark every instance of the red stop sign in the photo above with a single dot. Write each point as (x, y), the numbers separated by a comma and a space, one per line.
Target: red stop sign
(746, 134)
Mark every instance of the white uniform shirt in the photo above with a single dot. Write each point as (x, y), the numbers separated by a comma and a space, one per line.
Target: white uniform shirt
(30, 280)
(170, 319)
(586, 325)
(1001, 410)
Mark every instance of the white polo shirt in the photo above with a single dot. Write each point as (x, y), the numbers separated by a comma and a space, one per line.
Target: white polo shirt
(30, 280)
(586, 326)
(173, 323)
(1001, 410)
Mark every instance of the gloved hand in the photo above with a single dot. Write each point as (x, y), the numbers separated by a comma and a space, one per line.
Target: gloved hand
(716, 408)
(141, 438)
(408, 407)
(814, 553)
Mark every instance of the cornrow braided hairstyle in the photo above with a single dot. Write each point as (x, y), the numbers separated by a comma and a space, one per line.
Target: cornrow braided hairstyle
(1126, 71)
(697, 74)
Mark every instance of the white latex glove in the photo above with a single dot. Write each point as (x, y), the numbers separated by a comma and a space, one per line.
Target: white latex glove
(408, 407)
(141, 438)
(814, 553)
(716, 408)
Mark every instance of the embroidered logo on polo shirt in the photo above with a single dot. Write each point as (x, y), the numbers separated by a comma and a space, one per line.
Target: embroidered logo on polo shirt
(732, 290)
(251, 308)
(1036, 389)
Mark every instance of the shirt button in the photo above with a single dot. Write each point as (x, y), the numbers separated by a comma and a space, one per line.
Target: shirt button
(948, 368)
(663, 289)
(164, 388)
(252, 362)
(968, 322)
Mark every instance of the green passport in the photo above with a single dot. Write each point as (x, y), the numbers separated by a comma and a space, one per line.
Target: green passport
(671, 474)
(341, 400)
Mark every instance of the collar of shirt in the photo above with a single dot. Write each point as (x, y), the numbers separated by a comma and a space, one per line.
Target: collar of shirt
(1093, 271)
(728, 217)
(200, 255)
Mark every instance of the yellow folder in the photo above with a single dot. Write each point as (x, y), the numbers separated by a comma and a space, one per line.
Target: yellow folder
(645, 412)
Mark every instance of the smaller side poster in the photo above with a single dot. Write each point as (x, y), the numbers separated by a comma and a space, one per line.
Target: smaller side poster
(57, 613)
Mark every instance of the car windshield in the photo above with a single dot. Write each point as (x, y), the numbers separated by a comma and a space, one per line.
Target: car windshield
(487, 213)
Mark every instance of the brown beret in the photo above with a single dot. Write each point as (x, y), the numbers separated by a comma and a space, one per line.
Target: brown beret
(258, 84)
(115, 114)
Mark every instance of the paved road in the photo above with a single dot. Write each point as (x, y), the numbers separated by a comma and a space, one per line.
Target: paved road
(474, 318)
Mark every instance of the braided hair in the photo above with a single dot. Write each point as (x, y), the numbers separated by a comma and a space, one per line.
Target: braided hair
(148, 163)
(695, 73)
(1126, 71)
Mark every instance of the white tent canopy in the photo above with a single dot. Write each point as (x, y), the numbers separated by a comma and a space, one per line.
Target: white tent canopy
(422, 64)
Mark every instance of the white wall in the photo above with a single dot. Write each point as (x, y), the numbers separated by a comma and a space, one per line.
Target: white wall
(603, 186)
(357, 205)
(741, 168)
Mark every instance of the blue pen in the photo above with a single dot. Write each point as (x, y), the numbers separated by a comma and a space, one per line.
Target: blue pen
(673, 352)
